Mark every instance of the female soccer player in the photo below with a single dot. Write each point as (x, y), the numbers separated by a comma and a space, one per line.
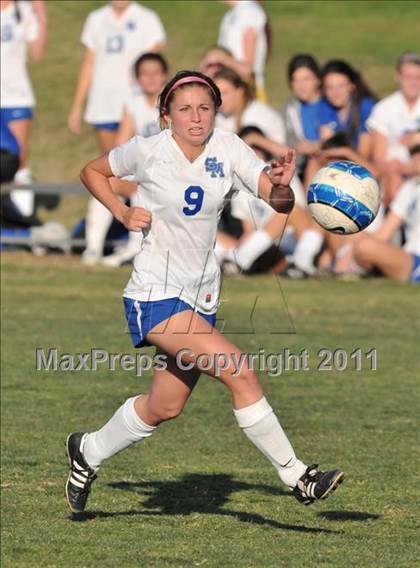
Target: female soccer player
(23, 32)
(186, 172)
(114, 36)
(246, 33)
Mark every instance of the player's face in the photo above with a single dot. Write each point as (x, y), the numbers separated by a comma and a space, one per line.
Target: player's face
(192, 114)
(338, 89)
(305, 85)
(151, 77)
(120, 5)
(409, 79)
(232, 97)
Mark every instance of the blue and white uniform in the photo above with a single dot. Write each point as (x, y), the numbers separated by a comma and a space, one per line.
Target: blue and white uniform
(245, 15)
(145, 117)
(177, 260)
(117, 42)
(17, 97)
(406, 205)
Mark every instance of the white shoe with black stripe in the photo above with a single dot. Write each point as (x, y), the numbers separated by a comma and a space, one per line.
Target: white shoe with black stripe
(315, 484)
(80, 476)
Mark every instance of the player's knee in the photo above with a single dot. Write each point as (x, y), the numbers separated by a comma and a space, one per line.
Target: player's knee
(246, 379)
(169, 411)
(364, 250)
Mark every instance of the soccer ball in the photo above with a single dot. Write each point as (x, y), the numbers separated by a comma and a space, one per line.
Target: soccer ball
(344, 197)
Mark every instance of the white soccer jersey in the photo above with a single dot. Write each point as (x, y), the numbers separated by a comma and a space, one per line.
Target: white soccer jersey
(145, 117)
(257, 114)
(392, 118)
(407, 206)
(186, 200)
(246, 14)
(16, 90)
(117, 43)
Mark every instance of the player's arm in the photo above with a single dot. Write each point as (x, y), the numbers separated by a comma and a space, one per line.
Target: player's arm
(249, 46)
(36, 48)
(95, 176)
(126, 128)
(379, 147)
(273, 185)
(83, 84)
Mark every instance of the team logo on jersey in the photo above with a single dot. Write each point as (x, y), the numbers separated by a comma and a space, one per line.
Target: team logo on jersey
(214, 167)
(130, 25)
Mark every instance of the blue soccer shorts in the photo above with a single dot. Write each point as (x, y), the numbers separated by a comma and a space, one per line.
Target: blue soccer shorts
(142, 317)
(415, 269)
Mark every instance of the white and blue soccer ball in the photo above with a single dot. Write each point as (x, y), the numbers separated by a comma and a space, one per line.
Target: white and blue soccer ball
(344, 197)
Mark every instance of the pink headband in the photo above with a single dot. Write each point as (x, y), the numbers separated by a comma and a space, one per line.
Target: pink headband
(184, 81)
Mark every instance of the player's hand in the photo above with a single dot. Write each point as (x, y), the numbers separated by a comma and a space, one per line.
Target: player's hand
(136, 219)
(283, 169)
(74, 121)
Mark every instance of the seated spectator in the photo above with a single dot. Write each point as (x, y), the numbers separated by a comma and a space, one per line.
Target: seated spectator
(347, 105)
(393, 123)
(301, 113)
(377, 252)
(239, 108)
(344, 111)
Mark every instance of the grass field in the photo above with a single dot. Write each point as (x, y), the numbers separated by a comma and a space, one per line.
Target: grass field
(198, 493)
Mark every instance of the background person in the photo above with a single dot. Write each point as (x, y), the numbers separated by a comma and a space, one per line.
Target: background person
(246, 33)
(301, 112)
(393, 123)
(23, 33)
(240, 109)
(141, 118)
(375, 251)
(114, 36)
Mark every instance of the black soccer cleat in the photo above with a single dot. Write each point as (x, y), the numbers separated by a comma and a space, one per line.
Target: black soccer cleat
(315, 484)
(80, 476)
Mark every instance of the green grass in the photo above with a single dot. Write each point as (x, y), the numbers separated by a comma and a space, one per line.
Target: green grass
(198, 493)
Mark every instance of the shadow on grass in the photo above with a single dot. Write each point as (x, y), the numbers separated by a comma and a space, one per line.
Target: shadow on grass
(197, 493)
(348, 516)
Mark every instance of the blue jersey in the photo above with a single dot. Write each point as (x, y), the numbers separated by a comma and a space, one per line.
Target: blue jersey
(311, 119)
(329, 116)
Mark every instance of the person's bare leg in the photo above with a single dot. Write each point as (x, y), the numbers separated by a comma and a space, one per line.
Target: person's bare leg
(23, 198)
(21, 129)
(391, 260)
(106, 138)
(190, 334)
(170, 390)
(138, 417)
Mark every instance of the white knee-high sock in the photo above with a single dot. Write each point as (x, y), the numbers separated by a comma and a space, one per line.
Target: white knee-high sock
(98, 222)
(123, 429)
(261, 426)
